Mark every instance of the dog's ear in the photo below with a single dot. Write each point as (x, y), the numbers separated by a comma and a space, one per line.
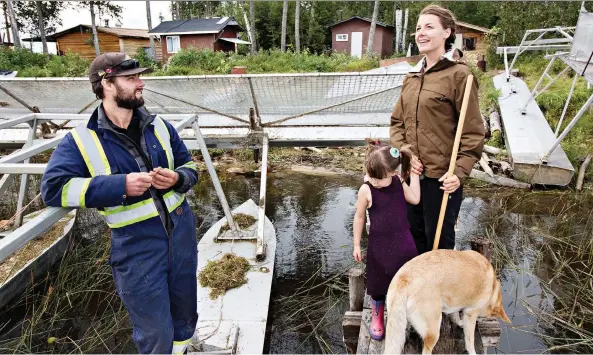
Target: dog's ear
(501, 314)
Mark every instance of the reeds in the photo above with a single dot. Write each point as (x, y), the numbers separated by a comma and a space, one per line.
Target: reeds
(75, 310)
(313, 308)
(552, 246)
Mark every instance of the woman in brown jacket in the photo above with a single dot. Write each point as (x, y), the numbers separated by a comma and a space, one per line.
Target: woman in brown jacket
(425, 119)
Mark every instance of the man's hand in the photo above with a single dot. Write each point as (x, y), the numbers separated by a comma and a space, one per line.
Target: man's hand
(163, 178)
(416, 166)
(450, 184)
(137, 183)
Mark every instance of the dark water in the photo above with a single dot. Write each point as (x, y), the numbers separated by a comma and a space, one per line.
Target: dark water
(313, 220)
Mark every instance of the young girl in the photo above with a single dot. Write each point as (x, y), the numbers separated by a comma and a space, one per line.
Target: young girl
(390, 243)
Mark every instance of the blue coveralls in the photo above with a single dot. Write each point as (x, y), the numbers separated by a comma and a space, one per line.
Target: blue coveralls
(154, 268)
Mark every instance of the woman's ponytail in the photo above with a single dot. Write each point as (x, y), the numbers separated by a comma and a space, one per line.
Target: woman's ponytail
(406, 161)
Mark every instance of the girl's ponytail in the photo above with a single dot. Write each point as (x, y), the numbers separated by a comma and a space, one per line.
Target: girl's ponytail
(372, 144)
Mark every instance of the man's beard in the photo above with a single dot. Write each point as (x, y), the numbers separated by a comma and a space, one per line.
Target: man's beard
(130, 101)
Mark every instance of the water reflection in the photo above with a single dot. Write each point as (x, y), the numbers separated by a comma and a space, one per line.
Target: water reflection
(313, 220)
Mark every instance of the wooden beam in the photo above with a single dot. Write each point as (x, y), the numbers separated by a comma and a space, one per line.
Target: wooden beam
(356, 288)
(483, 246)
(498, 180)
(489, 330)
(486, 167)
(351, 329)
(582, 172)
(364, 338)
(494, 151)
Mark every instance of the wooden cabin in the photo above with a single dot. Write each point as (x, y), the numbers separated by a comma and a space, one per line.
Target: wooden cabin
(79, 40)
(351, 37)
(214, 33)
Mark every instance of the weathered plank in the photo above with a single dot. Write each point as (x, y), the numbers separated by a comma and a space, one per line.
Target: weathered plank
(81, 43)
(367, 301)
(582, 171)
(493, 150)
(489, 330)
(351, 329)
(483, 246)
(495, 122)
(484, 164)
(364, 337)
(376, 347)
(498, 180)
(451, 339)
(356, 288)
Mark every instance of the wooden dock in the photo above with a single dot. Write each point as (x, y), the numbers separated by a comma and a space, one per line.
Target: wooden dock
(356, 322)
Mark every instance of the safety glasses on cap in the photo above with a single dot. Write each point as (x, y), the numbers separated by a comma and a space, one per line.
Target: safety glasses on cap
(127, 64)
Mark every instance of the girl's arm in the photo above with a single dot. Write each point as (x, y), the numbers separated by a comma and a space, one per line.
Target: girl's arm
(412, 192)
(358, 223)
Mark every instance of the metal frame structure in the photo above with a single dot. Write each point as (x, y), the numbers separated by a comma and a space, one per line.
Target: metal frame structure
(18, 163)
(354, 100)
(303, 109)
(569, 59)
(538, 44)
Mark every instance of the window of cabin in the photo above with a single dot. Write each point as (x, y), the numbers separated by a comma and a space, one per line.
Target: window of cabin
(173, 44)
(342, 38)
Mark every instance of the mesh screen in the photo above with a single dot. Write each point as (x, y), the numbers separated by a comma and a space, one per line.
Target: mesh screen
(277, 96)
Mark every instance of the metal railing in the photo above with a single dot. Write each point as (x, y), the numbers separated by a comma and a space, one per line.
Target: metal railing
(18, 163)
(538, 44)
(579, 46)
(240, 111)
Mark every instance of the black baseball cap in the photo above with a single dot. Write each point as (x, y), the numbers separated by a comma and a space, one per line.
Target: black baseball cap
(113, 64)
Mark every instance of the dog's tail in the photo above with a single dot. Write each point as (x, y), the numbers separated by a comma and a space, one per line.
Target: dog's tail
(397, 321)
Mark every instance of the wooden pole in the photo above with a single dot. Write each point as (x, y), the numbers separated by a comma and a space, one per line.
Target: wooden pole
(483, 246)
(468, 88)
(356, 288)
(582, 171)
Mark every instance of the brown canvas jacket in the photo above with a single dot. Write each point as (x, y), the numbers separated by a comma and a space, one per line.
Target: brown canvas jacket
(425, 117)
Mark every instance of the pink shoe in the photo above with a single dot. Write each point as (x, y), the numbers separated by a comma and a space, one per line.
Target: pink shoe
(377, 329)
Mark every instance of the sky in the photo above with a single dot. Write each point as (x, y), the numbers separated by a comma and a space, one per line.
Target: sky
(133, 16)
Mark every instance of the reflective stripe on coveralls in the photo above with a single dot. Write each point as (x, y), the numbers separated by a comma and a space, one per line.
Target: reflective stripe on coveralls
(162, 134)
(73, 193)
(180, 346)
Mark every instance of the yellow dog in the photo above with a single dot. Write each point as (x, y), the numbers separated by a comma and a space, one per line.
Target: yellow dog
(441, 281)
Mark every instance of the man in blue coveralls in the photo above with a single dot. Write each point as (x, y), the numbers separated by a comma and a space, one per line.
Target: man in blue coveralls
(134, 168)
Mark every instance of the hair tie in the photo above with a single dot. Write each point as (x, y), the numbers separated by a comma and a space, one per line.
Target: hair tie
(394, 152)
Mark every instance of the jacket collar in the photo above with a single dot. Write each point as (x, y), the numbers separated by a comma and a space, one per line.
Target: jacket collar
(99, 119)
(446, 59)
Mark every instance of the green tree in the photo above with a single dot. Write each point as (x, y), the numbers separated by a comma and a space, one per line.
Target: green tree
(39, 17)
(284, 20)
(372, 30)
(13, 24)
(103, 7)
(201, 9)
(513, 22)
